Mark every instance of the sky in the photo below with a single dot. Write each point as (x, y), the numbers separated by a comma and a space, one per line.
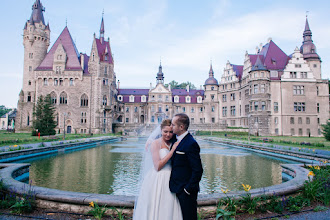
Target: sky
(185, 35)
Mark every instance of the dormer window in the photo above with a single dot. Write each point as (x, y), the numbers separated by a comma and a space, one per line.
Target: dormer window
(106, 57)
(199, 99)
(131, 98)
(58, 70)
(188, 99)
(120, 98)
(143, 98)
(176, 99)
(212, 88)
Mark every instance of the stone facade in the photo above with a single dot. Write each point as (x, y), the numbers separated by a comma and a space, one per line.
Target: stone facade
(270, 94)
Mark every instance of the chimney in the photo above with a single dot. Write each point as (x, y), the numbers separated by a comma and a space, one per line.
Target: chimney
(118, 84)
(188, 88)
(82, 60)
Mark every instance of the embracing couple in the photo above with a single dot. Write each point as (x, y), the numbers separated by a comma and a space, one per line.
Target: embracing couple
(171, 173)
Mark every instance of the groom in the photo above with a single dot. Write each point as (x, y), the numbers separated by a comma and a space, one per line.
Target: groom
(186, 168)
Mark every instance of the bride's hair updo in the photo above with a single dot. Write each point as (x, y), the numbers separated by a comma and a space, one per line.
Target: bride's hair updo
(166, 122)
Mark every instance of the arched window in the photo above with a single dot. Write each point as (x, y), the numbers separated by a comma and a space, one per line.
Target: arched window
(29, 97)
(28, 120)
(63, 98)
(53, 98)
(84, 100)
(104, 100)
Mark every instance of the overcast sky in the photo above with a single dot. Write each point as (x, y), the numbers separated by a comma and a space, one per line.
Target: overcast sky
(184, 34)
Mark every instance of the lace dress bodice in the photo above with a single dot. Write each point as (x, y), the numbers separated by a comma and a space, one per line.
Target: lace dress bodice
(162, 153)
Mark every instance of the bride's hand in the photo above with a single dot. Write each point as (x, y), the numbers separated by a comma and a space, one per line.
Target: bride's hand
(175, 145)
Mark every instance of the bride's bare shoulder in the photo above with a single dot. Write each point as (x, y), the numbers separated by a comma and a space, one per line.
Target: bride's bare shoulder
(156, 142)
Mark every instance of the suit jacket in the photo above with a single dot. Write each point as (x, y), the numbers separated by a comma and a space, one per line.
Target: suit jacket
(186, 166)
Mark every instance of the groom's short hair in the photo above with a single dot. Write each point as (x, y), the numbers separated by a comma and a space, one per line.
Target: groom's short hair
(183, 119)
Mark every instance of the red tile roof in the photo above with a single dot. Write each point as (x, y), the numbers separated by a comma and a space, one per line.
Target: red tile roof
(70, 48)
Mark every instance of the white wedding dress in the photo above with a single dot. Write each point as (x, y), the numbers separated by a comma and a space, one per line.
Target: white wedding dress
(156, 201)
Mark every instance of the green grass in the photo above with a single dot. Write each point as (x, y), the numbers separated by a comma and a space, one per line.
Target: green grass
(277, 140)
(8, 139)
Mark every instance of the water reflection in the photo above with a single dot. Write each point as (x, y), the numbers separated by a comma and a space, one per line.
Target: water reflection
(113, 168)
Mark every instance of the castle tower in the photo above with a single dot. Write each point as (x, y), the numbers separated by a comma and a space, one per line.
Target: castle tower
(160, 75)
(101, 68)
(308, 49)
(36, 37)
(211, 101)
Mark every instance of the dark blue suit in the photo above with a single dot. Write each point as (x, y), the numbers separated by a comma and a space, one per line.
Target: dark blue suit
(186, 173)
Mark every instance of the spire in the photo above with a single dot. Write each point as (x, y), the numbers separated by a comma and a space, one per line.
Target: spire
(102, 29)
(160, 74)
(37, 13)
(211, 73)
(308, 48)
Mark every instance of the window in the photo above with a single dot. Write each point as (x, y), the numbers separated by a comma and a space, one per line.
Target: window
(212, 88)
(300, 132)
(29, 83)
(55, 82)
(105, 100)
(159, 108)
(299, 120)
(31, 55)
(246, 93)
(152, 118)
(184, 109)
(297, 65)
(293, 74)
(176, 99)
(240, 95)
(199, 99)
(58, 70)
(53, 98)
(212, 97)
(224, 98)
(224, 111)
(303, 75)
(131, 98)
(120, 98)
(276, 131)
(45, 82)
(318, 120)
(63, 98)
(105, 82)
(201, 109)
(276, 120)
(166, 108)
(166, 98)
(213, 120)
(292, 120)
(308, 121)
(299, 106)
(192, 110)
(246, 109)
(105, 70)
(212, 109)
(28, 120)
(188, 99)
(83, 119)
(232, 96)
(318, 107)
(256, 106)
(152, 108)
(61, 82)
(275, 106)
(127, 109)
(255, 88)
(71, 82)
(232, 110)
(262, 88)
(143, 98)
(30, 68)
(29, 97)
(135, 109)
(315, 65)
(127, 120)
(298, 90)
(263, 106)
(317, 90)
(292, 131)
(84, 100)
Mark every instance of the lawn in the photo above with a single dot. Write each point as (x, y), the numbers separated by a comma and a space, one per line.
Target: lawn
(8, 138)
(316, 142)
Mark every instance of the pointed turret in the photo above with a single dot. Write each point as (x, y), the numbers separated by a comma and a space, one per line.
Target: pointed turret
(160, 75)
(211, 80)
(258, 65)
(37, 13)
(102, 30)
(308, 49)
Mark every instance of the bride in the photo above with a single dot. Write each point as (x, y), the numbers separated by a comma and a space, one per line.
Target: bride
(155, 201)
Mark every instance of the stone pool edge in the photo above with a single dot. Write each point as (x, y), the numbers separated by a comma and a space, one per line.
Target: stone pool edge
(78, 202)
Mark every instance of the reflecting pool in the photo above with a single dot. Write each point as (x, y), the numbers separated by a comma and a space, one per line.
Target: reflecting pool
(113, 168)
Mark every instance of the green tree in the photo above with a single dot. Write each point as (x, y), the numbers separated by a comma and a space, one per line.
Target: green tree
(175, 85)
(44, 113)
(326, 130)
(4, 110)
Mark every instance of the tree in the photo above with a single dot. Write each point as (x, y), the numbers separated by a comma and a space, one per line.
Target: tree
(4, 110)
(326, 130)
(175, 85)
(44, 113)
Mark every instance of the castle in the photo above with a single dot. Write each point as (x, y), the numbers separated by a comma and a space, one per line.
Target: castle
(271, 93)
